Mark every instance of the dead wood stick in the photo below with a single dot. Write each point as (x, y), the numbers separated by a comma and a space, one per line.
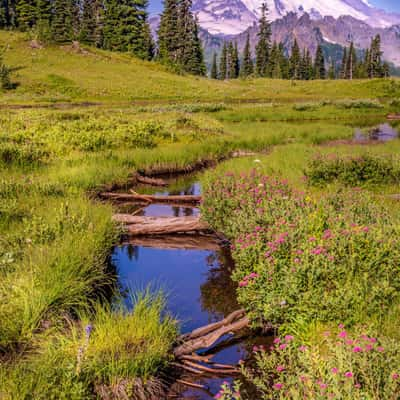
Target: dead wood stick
(195, 357)
(212, 327)
(150, 181)
(209, 369)
(191, 384)
(185, 367)
(208, 340)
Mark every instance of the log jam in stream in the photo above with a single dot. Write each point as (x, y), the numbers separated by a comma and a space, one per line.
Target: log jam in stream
(194, 270)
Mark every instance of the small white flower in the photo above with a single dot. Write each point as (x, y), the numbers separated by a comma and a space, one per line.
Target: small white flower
(257, 161)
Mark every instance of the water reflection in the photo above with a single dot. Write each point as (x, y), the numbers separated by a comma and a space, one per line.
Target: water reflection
(381, 133)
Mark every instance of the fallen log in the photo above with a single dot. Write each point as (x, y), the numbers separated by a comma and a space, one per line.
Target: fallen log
(210, 334)
(144, 198)
(186, 242)
(393, 117)
(214, 326)
(136, 225)
(151, 181)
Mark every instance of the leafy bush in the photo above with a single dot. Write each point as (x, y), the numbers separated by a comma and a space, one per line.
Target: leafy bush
(340, 366)
(25, 154)
(354, 171)
(335, 259)
(358, 104)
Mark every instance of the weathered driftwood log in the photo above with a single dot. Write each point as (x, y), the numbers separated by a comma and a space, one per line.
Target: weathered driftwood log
(205, 337)
(150, 181)
(204, 330)
(394, 117)
(186, 242)
(144, 198)
(160, 225)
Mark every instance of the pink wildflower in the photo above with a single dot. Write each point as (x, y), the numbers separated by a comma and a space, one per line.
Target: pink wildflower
(218, 396)
(348, 374)
(380, 349)
(342, 334)
(289, 338)
(282, 346)
(334, 371)
(243, 284)
(277, 340)
(395, 377)
(357, 386)
(357, 349)
(341, 326)
(278, 386)
(303, 348)
(280, 368)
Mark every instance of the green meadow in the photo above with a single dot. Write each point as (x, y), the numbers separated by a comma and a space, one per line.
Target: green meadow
(83, 119)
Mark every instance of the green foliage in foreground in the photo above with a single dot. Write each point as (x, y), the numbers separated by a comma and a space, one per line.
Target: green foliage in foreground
(353, 171)
(331, 260)
(302, 262)
(109, 352)
(340, 365)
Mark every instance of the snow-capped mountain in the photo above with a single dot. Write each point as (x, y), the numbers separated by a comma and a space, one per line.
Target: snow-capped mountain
(231, 17)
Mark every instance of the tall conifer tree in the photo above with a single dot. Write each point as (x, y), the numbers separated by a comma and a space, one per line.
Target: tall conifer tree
(223, 64)
(214, 67)
(294, 61)
(319, 65)
(247, 67)
(264, 42)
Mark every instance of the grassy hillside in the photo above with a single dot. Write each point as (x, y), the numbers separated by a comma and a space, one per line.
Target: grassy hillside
(66, 74)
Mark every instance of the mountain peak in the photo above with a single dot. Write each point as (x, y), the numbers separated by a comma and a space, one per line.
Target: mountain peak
(230, 17)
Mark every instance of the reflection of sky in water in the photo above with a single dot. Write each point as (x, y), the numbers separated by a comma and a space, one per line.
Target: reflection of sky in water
(179, 272)
(382, 133)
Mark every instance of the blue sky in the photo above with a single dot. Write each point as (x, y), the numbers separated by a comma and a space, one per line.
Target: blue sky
(155, 6)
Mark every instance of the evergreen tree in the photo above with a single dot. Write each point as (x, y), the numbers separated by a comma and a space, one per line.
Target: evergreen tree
(148, 43)
(332, 70)
(351, 64)
(230, 66)
(214, 67)
(247, 63)
(319, 64)
(223, 63)
(343, 66)
(385, 70)
(92, 23)
(3, 14)
(44, 14)
(375, 68)
(178, 38)
(294, 61)
(125, 27)
(283, 61)
(62, 23)
(264, 42)
(194, 59)
(26, 14)
(8, 14)
(168, 34)
(274, 63)
(236, 61)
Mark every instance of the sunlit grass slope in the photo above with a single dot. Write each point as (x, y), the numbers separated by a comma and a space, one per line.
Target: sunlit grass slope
(64, 74)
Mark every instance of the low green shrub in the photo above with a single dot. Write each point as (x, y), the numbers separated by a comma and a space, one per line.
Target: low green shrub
(335, 259)
(340, 366)
(353, 171)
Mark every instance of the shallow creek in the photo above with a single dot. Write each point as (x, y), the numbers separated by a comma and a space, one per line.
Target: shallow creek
(194, 272)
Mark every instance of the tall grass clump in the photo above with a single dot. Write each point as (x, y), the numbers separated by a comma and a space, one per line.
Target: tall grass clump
(109, 353)
(61, 270)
